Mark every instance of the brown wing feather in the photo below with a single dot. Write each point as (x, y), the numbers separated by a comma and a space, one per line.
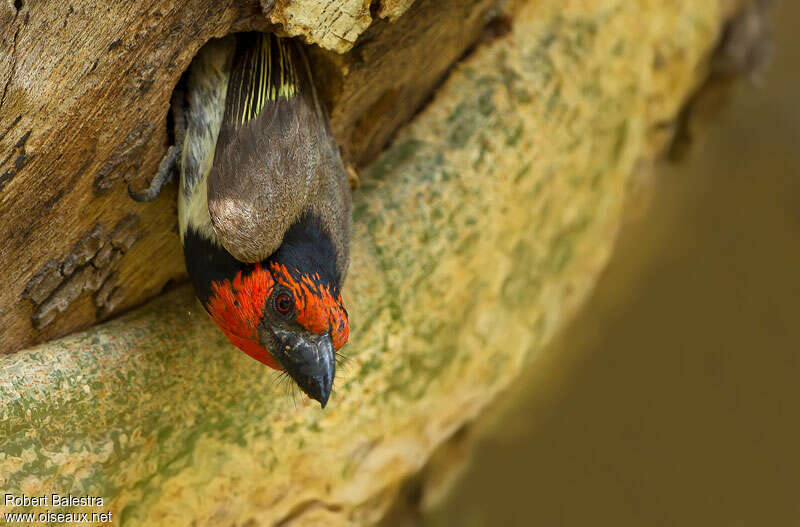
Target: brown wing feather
(275, 158)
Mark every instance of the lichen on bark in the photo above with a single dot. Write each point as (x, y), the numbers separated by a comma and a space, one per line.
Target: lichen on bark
(477, 234)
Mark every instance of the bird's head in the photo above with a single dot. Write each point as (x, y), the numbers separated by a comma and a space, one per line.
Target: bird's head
(286, 319)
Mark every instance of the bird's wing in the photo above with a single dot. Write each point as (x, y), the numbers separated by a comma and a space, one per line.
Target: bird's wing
(273, 149)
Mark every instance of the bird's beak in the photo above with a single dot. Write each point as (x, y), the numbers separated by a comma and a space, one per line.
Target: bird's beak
(309, 360)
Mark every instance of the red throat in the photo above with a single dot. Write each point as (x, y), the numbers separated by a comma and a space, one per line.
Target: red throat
(237, 307)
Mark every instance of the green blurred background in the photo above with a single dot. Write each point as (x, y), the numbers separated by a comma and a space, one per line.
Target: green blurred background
(672, 398)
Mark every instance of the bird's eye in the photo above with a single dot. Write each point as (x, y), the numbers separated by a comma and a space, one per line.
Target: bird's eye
(283, 303)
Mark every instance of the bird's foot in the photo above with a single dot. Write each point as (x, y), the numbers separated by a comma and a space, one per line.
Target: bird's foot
(164, 175)
(353, 176)
(170, 163)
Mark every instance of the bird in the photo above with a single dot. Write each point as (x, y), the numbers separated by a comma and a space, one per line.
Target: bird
(264, 205)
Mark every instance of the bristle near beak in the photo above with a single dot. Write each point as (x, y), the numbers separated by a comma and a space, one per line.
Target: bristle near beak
(309, 359)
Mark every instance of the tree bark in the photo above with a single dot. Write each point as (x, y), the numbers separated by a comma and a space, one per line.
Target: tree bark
(477, 233)
(84, 96)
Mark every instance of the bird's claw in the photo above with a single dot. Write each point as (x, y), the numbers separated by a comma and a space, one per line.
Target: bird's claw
(164, 175)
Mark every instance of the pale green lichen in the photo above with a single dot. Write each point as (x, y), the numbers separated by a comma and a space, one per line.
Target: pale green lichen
(476, 235)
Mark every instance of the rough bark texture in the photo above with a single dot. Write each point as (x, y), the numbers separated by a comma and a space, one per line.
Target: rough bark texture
(84, 94)
(477, 233)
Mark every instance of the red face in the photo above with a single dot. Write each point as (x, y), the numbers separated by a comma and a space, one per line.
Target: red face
(274, 298)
